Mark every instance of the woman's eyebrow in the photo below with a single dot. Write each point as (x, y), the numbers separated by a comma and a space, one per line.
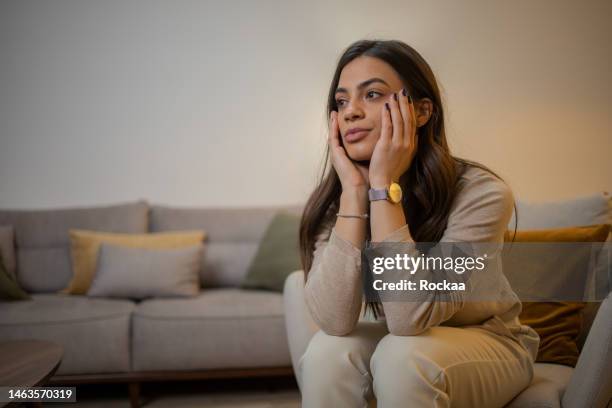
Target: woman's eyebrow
(363, 84)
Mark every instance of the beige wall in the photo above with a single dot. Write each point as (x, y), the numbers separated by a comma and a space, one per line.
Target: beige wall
(222, 103)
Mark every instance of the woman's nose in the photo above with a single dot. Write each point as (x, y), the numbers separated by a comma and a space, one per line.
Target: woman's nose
(353, 111)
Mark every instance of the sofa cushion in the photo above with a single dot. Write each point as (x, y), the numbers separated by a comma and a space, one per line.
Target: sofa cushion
(233, 236)
(220, 328)
(546, 389)
(138, 273)
(42, 240)
(86, 244)
(93, 332)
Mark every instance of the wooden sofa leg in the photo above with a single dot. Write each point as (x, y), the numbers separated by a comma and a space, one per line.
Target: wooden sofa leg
(134, 390)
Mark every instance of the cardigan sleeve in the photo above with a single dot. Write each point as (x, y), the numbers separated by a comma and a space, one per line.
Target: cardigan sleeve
(480, 215)
(333, 289)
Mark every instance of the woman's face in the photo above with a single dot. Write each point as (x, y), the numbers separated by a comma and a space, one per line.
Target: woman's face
(365, 84)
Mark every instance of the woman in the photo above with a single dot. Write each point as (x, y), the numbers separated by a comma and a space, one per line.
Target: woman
(386, 133)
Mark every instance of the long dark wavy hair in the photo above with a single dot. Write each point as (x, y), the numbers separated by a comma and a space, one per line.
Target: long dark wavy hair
(430, 184)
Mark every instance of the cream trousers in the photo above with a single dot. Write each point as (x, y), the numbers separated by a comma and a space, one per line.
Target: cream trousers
(442, 367)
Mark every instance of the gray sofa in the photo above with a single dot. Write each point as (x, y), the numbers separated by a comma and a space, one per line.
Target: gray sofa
(225, 330)
(589, 384)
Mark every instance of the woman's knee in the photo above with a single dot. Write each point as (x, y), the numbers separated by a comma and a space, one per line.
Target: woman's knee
(328, 355)
(338, 355)
(404, 353)
(334, 369)
(403, 365)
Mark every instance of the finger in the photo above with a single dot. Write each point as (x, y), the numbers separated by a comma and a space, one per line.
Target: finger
(386, 127)
(407, 117)
(396, 118)
(333, 130)
(413, 135)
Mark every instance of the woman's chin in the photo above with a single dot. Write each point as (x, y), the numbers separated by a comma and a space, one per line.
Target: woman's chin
(360, 157)
(360, 153)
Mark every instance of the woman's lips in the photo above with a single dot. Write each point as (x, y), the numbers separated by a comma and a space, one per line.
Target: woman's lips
(356, 136)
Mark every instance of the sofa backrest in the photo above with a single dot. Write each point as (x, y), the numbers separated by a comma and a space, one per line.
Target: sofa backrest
(232, 236)
(42, 241)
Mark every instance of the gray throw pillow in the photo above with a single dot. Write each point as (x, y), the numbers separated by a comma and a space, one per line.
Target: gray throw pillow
(7, 249)
(593, 209)
(138, 273)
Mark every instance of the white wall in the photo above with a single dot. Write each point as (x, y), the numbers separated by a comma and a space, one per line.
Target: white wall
(222, 102)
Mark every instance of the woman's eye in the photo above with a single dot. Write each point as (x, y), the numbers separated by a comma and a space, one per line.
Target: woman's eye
(339, 102)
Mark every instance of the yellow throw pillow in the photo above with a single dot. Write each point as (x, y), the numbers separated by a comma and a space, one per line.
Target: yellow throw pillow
(557, 323)
(84, 247)
(587, 233)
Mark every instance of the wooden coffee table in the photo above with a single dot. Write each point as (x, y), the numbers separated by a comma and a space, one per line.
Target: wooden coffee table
(28, 363)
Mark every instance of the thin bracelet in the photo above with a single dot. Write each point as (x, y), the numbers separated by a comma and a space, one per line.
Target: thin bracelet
(364, 216)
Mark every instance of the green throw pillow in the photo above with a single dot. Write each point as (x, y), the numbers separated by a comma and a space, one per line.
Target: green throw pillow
(9, 288)
(277, 256)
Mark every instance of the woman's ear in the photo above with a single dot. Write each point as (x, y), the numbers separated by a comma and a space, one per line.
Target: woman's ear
(423, 109)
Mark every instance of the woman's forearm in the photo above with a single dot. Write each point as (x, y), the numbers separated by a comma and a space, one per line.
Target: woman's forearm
(353, 230)
(333, 290)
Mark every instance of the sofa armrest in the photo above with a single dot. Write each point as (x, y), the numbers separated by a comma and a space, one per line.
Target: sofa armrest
(298, 322)
(591, 383)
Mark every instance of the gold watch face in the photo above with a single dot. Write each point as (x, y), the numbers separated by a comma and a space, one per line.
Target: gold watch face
(395, 193)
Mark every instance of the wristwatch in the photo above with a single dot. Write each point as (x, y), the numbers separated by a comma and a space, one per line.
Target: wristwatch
(393, 193)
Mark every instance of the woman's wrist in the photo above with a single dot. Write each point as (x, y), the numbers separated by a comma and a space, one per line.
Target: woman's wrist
(354, 201)
(381, 183)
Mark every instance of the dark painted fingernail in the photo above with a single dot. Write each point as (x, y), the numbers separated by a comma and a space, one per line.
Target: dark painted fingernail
(387, 106)
(410, 98)
(395, 96)
(404, 91)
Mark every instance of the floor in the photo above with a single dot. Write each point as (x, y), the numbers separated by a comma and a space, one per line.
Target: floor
(251, 393)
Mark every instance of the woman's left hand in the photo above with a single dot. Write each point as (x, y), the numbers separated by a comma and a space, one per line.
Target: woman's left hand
(397, 145)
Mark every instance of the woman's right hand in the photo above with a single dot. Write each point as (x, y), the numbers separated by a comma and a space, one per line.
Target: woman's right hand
(352, 176)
